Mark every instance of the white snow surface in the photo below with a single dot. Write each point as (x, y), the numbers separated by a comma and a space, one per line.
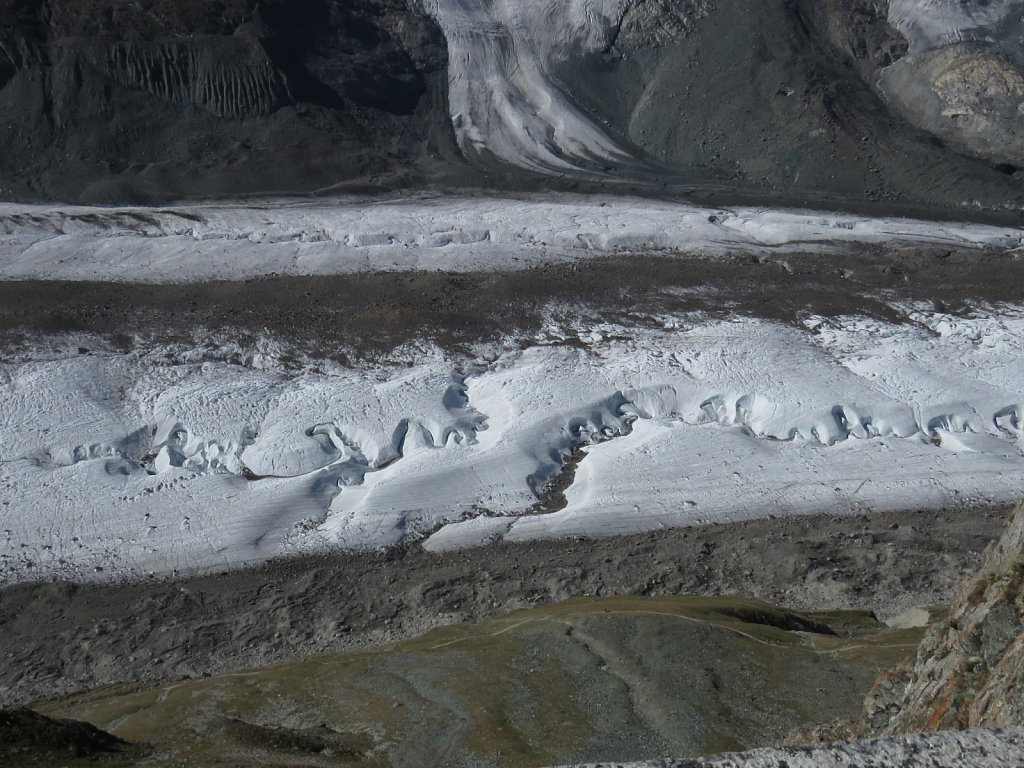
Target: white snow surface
(931, 24)
(233, 242)
(976, 748)
(119, 465)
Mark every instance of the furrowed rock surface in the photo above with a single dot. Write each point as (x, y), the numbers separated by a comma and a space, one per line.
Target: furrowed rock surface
(787, 102)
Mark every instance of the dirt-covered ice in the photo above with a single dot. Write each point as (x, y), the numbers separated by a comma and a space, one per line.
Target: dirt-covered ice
(503, 102)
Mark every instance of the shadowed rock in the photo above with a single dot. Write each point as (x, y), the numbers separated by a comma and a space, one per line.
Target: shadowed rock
(979, 749)
(28, 738)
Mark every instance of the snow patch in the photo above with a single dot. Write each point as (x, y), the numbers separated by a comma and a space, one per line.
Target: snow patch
(931, 24)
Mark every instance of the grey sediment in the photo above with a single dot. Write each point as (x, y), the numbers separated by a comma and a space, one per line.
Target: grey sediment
(366, 315)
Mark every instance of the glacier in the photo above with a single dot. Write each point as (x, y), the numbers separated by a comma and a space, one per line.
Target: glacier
(156, 461)
(148, 463)
(428, 231)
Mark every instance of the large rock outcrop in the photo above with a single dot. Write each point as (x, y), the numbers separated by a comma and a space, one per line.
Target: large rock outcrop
(969, 669)
(963, 76)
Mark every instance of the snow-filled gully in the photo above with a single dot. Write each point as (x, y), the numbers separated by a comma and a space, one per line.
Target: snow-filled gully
(117, 464)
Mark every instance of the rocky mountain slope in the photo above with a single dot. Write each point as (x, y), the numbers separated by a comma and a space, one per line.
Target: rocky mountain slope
(787, 97)
(109, 100)
(968, 670)
(587, 679)
(591, 678)
(958, 702)
(786, 100)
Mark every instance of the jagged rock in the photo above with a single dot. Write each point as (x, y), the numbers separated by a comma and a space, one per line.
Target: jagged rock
(108, 101)
(861, 30)
(978, 749)
(966, 88)
(968, 670)
(965, 93)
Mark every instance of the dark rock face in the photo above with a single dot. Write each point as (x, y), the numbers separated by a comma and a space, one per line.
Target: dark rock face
(111, 101)
(653, 22)
(781, 97)
(235, 78)
(148, 20)
(787, 102)
(28, 738)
